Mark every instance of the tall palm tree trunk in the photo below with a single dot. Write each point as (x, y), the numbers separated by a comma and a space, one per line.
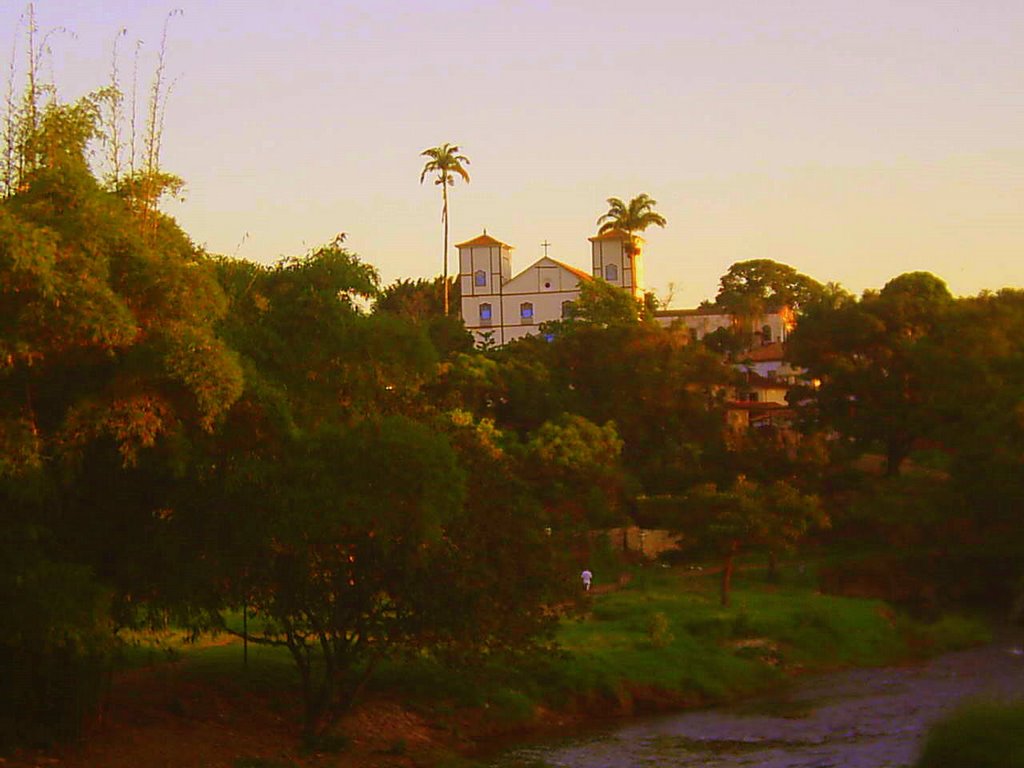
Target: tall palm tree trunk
(444, 215)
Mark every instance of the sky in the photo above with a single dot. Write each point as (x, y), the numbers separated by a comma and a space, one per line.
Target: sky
(854, 141)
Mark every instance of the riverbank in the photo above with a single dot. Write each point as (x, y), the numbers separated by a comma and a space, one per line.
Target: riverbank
(856, 718)
(663, 642)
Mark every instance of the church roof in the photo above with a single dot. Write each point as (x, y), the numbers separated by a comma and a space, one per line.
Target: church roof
(483, 239)
(524, 278)
(613, 234)
(578, 272)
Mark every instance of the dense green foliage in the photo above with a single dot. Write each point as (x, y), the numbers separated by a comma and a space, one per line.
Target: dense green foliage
(752, 288)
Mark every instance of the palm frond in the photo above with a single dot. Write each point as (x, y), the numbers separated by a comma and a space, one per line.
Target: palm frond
(635, 216)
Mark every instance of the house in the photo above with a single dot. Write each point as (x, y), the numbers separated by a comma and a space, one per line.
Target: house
(759, 401)
(498, 308)
(768, 328)
(769, 362)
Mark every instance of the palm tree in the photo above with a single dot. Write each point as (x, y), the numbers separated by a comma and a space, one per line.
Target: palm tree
(446, 162)
(637, 216)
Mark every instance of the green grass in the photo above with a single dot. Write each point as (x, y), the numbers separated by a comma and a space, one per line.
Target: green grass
(708, 653)
(980, 735)
(664, 639)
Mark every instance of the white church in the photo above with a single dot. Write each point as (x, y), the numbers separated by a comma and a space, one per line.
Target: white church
(498, 308)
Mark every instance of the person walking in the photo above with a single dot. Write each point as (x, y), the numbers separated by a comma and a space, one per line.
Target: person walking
(586, 577)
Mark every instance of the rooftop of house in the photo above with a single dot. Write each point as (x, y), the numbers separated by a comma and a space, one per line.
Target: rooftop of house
(703, 310)
(747, 405)
(754, 380)
(776, 350)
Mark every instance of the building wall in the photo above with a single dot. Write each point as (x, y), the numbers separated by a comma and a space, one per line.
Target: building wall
(610, 250)
(546, 286)
(649, 542)
(772, 394)
(700, 324)
(493, 260)
(779, 370)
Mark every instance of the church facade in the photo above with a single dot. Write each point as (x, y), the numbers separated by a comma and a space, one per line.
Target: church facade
(498, 307)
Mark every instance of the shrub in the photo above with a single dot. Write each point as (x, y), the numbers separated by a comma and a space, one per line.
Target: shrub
(980, 735)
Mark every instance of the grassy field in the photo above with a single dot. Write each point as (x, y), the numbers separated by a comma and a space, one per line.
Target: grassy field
(666, 639)
(662, 641)
(663, 637)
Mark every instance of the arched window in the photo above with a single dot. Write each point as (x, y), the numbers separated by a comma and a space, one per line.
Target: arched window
(485, 314)
(480, 278)
(611, 272)
(766, 334)
(526, 312)
(566, 309)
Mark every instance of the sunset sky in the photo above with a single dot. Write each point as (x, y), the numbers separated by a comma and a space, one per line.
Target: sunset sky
(852, 140)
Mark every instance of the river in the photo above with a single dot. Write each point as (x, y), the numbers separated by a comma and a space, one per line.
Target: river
(861, 718)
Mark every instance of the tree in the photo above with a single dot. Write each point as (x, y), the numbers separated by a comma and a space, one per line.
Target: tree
(662, 393)
(421, 302)
(772, 517)
(300, 326)
(575, 467)
(417, 300)
(630, 218)
(343, 531)
(333, 501)
(878, 364)
(447, 163)
(751, 288)
(110, 365)
(983, 437)
(600, 304)
(505, 559)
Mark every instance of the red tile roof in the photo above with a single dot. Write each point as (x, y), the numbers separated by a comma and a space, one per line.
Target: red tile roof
(766, 353)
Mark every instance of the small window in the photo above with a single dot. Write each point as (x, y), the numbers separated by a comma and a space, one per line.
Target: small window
(485, 314)
(766, 334)
(566, 309)
(480, 278)
(526, 312)
(611, 272)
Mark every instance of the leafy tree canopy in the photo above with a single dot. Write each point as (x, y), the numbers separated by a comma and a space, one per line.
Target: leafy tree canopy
(751, 288)
(602, 305)
(879, 364)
